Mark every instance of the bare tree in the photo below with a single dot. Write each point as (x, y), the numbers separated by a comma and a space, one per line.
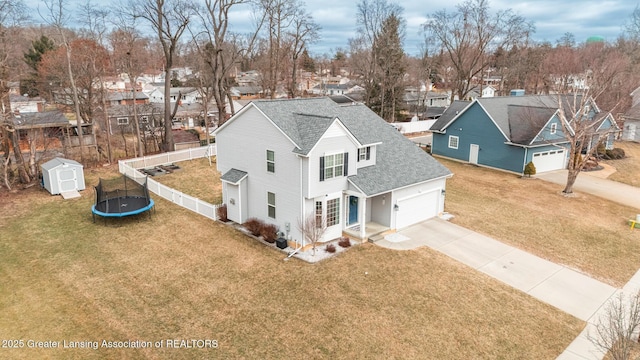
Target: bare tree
(221, 50)
(279, 16)
(12, 12)
(304, 31)
(616, 332)
(313, 227)
(58, 17)
(169, 20)
(468, 35)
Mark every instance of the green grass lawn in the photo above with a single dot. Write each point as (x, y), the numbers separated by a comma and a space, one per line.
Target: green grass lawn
(181, 276)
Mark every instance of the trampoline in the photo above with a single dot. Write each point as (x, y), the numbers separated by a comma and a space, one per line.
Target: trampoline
(121, 197)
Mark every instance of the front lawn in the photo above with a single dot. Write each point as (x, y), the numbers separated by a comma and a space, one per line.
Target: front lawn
(180, 276)
(583, 232)
(627, 169)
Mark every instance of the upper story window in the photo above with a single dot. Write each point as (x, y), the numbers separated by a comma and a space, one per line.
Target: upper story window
(364, 153)
(332, 166)
(453, 142)
(271, 161)
(271, 205)
(554, 128)
(144, 119)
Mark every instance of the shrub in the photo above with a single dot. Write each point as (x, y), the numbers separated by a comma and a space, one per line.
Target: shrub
(615, 154)
(221, 212)
(330, 248)
(344, 242)
(530, 169)
(254, 226)
(269, 233)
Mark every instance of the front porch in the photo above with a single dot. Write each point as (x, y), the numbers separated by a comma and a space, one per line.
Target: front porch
(371, 229)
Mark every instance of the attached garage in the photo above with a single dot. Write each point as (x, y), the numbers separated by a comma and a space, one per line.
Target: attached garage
(416, 208)
(549, 160)
(62, 176)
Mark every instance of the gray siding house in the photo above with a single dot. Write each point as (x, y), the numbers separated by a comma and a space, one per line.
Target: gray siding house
(284, 160)
(508, 132)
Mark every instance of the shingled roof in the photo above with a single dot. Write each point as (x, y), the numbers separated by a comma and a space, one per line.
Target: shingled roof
(399, 162)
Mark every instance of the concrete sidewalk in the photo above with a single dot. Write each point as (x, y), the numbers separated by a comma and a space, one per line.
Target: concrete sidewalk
(592, 184)
(559, 286)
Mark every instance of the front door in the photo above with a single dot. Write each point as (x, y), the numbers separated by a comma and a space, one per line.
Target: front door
(353, 209)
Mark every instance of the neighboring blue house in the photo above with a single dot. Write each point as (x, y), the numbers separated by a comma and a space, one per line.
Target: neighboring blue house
(508, 132)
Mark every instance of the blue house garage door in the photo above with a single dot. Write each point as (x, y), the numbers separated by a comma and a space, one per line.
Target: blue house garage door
(549, 160)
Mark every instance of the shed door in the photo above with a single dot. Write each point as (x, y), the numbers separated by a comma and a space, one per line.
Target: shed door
(67, 180)
(417, 208)
(473, 153)
(549, 160)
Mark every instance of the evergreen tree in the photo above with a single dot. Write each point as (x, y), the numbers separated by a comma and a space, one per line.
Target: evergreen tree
(390, 60)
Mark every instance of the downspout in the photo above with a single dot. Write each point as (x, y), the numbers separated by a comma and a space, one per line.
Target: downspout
(526, 150)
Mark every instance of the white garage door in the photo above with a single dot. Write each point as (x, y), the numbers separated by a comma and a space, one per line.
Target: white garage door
(417, 208)
(549, 160)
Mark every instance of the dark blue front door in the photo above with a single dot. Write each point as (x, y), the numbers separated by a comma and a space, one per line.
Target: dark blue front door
(353, 210)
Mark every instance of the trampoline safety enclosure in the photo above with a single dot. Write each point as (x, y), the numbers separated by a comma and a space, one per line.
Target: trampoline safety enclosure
(121, 197)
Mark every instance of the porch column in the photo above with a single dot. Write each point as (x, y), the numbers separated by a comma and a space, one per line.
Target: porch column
(362, 204)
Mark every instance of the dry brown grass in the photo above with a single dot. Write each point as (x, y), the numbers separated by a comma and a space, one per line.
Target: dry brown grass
(196, 178)
(627, 169)
(180, 276)
(583, 232)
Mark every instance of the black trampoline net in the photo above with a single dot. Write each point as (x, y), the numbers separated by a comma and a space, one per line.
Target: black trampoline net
(124, 190)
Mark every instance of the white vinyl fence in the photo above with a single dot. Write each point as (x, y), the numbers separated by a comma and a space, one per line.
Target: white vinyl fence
(130, 169)
(413, 126)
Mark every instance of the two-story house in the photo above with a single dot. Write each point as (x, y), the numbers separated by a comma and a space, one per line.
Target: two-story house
(284, 160)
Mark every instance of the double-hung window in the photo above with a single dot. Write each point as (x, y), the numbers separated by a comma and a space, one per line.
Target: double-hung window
(271, 161)
(554, 128)
(364, 153)
(271, 205)
(332, 166)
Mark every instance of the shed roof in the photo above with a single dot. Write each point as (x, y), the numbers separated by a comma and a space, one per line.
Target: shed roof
(31, 120)
(54, 163)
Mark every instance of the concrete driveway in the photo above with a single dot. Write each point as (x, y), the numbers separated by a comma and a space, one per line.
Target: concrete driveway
(559, 286)
(592, 184)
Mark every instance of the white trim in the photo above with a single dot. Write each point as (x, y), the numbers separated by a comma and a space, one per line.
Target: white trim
(460, 112)
(349, 134)
(122, 118)
(244, 109)
(457, 139)
(492, 120)
(545, 126)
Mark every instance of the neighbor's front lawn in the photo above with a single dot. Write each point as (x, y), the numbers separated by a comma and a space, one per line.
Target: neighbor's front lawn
(180, 276)
(627, 169)
(584, 232)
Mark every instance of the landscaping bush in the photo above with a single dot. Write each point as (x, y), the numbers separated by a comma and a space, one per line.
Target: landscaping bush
(269, 233)
(330, 248)
(254, 226)
(615, 154)
(221, 212)
(530, 169)
(344, 242)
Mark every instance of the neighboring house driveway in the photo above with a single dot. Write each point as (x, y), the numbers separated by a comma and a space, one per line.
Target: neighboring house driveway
(590, 183)
(557, 285)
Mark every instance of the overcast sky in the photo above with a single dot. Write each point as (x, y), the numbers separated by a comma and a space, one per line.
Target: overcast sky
(552, 18)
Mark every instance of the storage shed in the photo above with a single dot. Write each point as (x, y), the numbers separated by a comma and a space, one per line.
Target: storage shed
(61, 175)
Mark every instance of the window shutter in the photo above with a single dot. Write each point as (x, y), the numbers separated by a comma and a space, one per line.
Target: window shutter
(368, 152)
(358, 156)
(346, 164)
(321, 168)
